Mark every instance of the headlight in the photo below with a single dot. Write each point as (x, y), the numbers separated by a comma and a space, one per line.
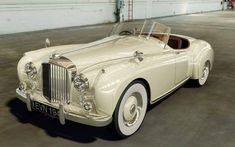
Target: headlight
(30, 70)
(81, 83)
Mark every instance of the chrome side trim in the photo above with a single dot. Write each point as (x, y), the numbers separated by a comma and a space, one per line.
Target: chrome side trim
(169, 92)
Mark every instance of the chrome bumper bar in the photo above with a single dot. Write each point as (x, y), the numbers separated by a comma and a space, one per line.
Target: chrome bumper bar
(63, 115)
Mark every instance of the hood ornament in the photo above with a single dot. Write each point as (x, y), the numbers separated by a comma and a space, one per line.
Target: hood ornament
(47, 43)
(55, 56)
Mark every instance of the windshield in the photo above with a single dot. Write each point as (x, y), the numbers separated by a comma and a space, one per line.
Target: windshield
(145, 29)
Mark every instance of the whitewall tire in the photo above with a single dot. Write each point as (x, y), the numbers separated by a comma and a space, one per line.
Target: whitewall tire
(205, 74)
(131, 109)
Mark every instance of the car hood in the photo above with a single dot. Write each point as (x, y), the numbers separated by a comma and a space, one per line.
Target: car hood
(112, 48)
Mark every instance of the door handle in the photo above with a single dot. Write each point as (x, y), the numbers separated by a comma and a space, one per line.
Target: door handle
(177, 52)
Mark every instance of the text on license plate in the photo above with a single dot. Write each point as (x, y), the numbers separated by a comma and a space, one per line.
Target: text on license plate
(52, 112)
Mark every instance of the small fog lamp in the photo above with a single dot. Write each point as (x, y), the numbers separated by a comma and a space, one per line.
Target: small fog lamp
(22, 86)
(87, 106)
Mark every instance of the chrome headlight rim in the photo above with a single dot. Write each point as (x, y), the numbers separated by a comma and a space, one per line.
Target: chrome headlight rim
(30, 70)
(81, 83)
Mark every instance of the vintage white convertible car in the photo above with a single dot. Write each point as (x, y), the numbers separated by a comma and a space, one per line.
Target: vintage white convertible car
(113, 79)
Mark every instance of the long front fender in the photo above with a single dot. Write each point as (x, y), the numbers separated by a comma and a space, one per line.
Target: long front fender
(112, 83)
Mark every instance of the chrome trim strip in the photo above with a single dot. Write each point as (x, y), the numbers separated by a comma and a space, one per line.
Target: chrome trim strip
(169, 92)
(93, 44)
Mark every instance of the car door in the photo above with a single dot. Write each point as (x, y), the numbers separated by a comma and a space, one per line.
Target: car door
(181, 65)
(161, 73)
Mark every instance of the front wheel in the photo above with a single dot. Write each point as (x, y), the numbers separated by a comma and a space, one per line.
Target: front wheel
(131, 109)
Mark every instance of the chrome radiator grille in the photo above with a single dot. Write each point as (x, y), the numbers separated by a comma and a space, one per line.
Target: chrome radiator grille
(56, 81)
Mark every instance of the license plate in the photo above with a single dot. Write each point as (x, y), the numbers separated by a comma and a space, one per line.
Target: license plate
(47, 110)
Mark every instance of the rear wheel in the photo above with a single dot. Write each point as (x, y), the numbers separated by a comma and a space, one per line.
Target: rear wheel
(131, 109)
(205, 74)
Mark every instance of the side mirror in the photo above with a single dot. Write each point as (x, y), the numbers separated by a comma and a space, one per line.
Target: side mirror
(47, 43)
(138, 56)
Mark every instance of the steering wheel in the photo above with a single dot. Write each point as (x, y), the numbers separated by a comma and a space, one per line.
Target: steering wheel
(125, 33)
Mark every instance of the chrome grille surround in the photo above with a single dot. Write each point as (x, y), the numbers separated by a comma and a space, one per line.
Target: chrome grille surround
(56, 83)
(60, 91)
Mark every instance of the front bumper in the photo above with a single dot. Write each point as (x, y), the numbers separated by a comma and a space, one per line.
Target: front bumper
(66, 112)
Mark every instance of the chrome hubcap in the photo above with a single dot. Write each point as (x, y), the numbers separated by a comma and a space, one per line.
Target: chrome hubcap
(131, 111)
(204, 76)
(205, 73)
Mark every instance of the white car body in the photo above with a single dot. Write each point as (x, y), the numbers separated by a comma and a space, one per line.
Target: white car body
(110, 65)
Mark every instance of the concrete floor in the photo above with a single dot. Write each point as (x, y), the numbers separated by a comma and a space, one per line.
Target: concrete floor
(190, 117)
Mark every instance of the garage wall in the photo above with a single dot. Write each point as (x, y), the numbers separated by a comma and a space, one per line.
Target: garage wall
(159, 8)
(30, 15)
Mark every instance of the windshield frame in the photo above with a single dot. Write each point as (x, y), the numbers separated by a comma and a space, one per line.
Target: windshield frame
(145, 29)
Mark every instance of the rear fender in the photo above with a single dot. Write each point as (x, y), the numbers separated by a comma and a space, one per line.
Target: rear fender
(204, 56)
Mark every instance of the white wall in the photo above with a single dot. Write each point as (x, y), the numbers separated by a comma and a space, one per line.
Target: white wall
(159, 8)
(30, 15)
